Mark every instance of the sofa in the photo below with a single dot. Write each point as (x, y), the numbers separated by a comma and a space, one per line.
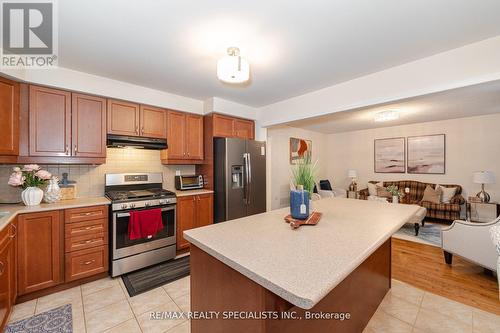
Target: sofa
(444, 211)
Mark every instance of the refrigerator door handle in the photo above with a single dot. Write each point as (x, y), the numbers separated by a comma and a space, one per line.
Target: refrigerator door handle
(245, 178)
(249, 185)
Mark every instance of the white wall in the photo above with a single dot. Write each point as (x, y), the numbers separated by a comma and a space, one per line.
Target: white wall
(278, 161)
(467, 65)
(472, 144)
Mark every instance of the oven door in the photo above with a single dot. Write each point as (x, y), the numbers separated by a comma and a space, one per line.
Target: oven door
(124, 247)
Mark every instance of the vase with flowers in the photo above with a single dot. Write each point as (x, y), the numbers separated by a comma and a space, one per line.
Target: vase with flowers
(395, 192)
(31, 178)
(303, 174)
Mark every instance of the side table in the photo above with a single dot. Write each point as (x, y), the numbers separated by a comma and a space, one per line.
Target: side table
(482, 211)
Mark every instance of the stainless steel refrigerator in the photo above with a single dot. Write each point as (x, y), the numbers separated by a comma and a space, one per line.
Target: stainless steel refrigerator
(239, 178)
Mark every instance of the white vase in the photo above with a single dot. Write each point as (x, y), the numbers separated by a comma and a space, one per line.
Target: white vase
(395, 199)
(32, 196)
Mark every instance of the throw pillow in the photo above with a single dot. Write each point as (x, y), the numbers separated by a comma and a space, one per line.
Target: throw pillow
(448, 193)
(372, 188)
(432, 195)
(383, 193)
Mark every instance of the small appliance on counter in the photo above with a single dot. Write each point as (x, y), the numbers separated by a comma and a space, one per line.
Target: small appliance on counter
(193, 182)
(68, 188)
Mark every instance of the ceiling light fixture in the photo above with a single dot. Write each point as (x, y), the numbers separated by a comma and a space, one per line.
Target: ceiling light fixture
(233, 68)
(386, 116)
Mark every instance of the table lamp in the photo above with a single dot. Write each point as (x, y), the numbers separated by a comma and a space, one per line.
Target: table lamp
(483, 177)
(353, 175)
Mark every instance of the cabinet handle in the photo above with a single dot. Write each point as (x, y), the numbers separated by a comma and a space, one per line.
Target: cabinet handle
(67, 150)
(3, 267)
(88, 241)
(136, 129)
(14, 231)
(88, 262)
(142, 129)
(88, 228)
(75, 150)
(86, 214)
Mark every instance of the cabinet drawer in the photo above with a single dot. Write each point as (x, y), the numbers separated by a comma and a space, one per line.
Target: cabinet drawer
(85, 214)
(83, 263)
(86, 241)
(85, 228)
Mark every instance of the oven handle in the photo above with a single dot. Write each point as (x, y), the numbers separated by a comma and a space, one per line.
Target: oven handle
(128, 214)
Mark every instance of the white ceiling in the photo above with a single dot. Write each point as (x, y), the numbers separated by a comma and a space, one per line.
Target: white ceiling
(293, 47)
(470, 101)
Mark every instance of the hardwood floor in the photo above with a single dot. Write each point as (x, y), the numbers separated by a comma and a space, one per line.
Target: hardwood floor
(423, 266)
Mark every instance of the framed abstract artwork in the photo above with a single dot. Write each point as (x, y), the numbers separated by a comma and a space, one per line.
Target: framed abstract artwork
(427, 154)
(299, 149)
(389, 155)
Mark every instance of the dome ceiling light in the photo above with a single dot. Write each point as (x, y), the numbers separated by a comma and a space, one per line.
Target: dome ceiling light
(386, 116)
(233, 68)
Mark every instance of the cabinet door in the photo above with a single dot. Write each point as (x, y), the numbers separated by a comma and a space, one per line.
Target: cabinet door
(153, 122)
(244, 129)
(176, 133)
(186, 218)
(13, 261)
(194, 137)
(89, 126)
(49, 122)
(40, 251)
(5, 287)
(123, 118)
(9, 117)
(204, 210)
(223, 126)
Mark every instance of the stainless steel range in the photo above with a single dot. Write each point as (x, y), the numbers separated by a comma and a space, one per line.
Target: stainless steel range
(132, 192)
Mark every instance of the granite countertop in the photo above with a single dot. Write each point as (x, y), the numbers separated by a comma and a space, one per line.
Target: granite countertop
(304, 265)
(13, 210)
(191, 192)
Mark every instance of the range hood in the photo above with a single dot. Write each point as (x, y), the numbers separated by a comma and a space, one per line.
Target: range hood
(122, 141)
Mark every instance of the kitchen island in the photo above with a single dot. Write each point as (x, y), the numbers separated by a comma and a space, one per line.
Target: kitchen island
(339, 268)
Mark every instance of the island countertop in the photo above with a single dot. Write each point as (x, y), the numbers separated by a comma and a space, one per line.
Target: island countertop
(302, 266)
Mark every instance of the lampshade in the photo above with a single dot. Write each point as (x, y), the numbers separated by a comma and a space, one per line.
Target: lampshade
(483, 177)
(352, 174)
(233, 68)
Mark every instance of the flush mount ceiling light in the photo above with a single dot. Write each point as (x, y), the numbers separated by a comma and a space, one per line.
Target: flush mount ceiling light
(233, 68)
(386, 116)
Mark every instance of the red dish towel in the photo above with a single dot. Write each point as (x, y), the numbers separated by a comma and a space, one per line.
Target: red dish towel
(144, 223)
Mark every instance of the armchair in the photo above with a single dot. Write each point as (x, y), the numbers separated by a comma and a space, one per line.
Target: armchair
(325, 190)
(471, 241)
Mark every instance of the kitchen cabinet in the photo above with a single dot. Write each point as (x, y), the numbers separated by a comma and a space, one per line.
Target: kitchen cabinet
(9, 120)
(184, 138)
(192, 212)
(49, 122)
(88, 133)
(244, 129)
(125, 118)
(40, 251)
(153, 122)
(7, 273)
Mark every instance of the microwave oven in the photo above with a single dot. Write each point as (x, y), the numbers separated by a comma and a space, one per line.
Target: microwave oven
(188, 182)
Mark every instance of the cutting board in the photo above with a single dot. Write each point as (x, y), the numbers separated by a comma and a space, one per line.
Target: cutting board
(313, 219)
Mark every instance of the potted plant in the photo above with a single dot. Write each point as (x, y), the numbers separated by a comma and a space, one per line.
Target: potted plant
(31, 178)
(303, 174)
(395, 192)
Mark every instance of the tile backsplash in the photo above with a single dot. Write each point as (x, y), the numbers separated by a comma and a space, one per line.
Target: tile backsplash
(90, 178)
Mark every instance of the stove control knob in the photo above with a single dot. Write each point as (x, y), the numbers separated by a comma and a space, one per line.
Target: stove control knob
(147, 204)
(132, 205)
(163, 201)
(124, 206)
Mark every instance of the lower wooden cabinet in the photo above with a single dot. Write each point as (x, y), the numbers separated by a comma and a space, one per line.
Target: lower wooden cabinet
(7, 273)
(192, 212)
(40, 251)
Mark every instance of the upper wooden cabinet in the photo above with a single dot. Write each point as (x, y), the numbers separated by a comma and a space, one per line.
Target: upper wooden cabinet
(230, 127)
(9, 117)
(40, 251)
(49, 122)
(184, 138)
(62, 124)
(123, 118)
(153, 122)
(88, 126)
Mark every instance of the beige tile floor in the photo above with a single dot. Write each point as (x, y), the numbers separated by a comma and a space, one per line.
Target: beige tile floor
(104, 306)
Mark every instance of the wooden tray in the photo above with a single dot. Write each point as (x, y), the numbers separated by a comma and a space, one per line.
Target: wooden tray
(313, 219)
